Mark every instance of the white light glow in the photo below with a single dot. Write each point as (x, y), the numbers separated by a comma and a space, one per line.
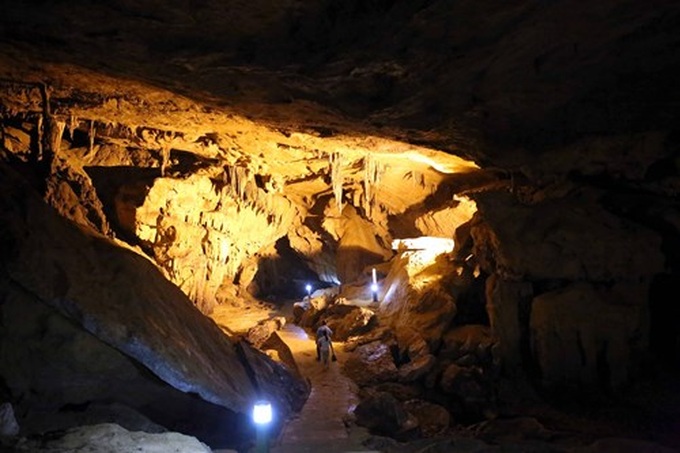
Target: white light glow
(433, 244)
(262, 413)
(374, 287)
(422, 251)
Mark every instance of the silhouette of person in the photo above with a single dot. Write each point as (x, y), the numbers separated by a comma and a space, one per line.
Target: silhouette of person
(322, 331)
(324, 345)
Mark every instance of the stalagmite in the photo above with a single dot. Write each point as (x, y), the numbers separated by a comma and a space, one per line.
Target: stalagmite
(72, 126)
(165, 156)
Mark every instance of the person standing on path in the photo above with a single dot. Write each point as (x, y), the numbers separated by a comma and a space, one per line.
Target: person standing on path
(325, 347)
(322, 331)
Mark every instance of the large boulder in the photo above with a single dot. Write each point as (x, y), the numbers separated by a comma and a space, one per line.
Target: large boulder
(383, 414)
(472, 340)
(347, 320)
(419, 295)
(371, 363)
(433, 419)
(119, 297)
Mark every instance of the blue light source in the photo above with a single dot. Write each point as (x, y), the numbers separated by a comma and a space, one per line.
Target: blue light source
(262, 417)
(309, 291)
(374, 285)
(262, 413)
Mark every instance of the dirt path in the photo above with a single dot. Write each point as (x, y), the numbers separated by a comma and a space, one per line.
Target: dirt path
(320, 426)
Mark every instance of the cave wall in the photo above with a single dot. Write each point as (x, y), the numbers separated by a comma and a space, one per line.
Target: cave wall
(64, 282)
(571, 113)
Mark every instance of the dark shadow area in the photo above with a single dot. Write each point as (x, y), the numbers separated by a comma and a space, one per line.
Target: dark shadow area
(284, 276)
(664, 314)
(117, 186)
(214, 425)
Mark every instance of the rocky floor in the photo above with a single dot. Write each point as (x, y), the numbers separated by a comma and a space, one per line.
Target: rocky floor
(325, 423)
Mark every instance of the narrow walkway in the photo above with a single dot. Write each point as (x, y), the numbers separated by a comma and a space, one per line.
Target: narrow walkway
(320, 426)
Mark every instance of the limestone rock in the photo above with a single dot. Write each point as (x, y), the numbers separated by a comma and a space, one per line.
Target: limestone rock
(433, 419)
(416, 368)
(71, 192)
(8, 422)
(111, 438)
(401, 391)
(121, 298)
(348, 320)
(419, 296)
(411, 344)
(574, 347)
(260, 333)
(473, 340)
(370, 364)
(571, 238)
(357, 247)
(283, 352)
(383, 414)
(198, 210)
(507, 305)
(471, 388)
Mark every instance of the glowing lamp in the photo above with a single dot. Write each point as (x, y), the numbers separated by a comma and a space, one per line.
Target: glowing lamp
(262, 413)
(374, 287)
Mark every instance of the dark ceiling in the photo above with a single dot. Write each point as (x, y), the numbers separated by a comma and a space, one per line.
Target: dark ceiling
(498, 81)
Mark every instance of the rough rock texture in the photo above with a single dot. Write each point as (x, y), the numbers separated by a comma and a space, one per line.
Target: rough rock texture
(419, 295)
(121, 298)
(574, 348)
(111, 438)
(326, 130)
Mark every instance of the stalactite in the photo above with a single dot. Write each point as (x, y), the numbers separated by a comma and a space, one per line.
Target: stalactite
(57, 134)
(371, 181)
(252, 193)
(242, 180)
(92, 133)
(39, 128)
(46, 126)
(72, 126)
(337, 179)
(231, 177)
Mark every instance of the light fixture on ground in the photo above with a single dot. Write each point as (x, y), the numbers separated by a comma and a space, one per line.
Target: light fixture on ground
(374, 286)
(262, 417)
(309, 291)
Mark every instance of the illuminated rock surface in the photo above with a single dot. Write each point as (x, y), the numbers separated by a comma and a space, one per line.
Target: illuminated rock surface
(165, 163)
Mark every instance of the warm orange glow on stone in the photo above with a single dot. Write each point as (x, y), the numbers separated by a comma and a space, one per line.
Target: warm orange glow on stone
(422, 251)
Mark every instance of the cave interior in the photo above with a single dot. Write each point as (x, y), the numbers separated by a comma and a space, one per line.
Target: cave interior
(479, 197)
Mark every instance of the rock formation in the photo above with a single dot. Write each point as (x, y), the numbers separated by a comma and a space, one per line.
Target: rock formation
(161, 160)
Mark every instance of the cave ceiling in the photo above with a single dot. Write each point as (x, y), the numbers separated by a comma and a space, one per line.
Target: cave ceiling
(394, 107)
(497, 84)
